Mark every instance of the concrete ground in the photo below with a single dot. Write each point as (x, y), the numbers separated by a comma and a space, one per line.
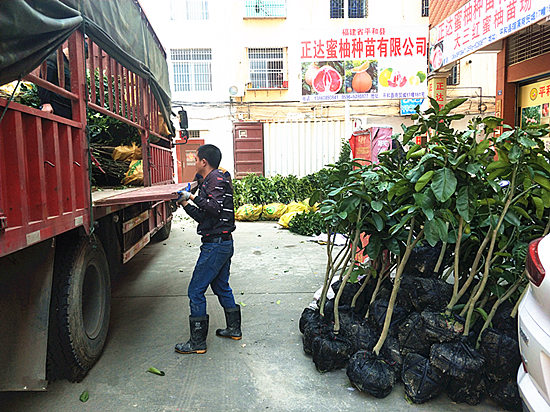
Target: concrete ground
(274, 274)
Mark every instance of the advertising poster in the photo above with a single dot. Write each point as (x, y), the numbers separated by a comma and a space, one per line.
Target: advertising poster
(534, 102)
(407, 106)
(479, 23)
(364, 63)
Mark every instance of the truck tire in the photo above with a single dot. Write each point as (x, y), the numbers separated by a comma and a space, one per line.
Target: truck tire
(80, 308)
(163, 233)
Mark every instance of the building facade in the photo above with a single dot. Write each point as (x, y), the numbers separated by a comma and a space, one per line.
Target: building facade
(239, 62)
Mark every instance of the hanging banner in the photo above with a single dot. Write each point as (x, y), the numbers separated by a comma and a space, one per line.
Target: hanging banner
(479, 23)
(379, 62)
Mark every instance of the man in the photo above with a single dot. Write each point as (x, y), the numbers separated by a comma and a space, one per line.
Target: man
(214, 211)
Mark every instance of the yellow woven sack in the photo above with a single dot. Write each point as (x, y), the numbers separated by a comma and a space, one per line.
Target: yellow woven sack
(274, 211)
(313, 208)
(248, 212)
(285, 219)
(134, 175)
(127, 152)
(296, 207)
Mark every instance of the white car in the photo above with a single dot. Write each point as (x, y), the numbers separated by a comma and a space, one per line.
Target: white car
(534, 330)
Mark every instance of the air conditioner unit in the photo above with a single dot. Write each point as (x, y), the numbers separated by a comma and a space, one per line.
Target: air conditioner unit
(236, 90)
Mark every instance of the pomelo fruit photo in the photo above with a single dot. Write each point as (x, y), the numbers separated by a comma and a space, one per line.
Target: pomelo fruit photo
(327, 80)
(310, 73)
(362, 82)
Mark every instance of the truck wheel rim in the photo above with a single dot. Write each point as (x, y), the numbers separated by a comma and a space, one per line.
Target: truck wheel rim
(93, 301)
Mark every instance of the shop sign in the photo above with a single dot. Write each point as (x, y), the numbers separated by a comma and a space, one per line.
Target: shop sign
(479, 23)
(408, 106)
(534, 100)
(364, 62)
(437, 89)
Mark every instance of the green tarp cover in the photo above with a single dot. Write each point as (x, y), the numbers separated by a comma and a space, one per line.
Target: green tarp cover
(30, 30)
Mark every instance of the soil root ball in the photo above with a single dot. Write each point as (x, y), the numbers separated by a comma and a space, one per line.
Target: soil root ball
(422, 381)
(425, 293)
(371, 374)
(423, 259)
(308, 316)
(458, 360)
(470, 391)
(441, 328)
(503, 322)
(311, 331)
(377, 315)
(392, 355)
(344, 311)
(412, 336)
(331, 352)
(505, 393)
(361, 335)
(501, 353)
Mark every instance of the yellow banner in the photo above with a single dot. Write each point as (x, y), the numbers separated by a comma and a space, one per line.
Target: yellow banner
(534, 101)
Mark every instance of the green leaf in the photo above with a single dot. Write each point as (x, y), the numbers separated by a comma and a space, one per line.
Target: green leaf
(543, 181)
(499, 164)
(527, 142)
(515, 153)
(463, 204)
(373, 247)
(539, 206)
(505, 135)
(442, 229)
(473, 168)
(377, 205)
(426, 204)
(393, 246)
(431, 232)
(84, 396)
(453, 104)
(378, 221)
(512, 218)
(443, 184)
(482, 146)
(155, 371)
(414, 148)
(423, 181)
(434, 104)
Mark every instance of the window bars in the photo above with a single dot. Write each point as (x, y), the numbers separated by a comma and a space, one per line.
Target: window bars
(356, 9)
(189, 9)
(425, 8)
(192, 69)
(454, 75)
(266, 68)
(265, 8)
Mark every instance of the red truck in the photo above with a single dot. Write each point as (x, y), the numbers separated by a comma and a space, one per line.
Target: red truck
(60, 241)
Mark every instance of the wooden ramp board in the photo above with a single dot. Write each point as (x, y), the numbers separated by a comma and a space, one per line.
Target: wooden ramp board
(111, 197)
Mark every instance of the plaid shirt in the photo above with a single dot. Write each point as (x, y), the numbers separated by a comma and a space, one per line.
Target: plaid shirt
(214, 212)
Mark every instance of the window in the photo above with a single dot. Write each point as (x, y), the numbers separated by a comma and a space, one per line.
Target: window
(356, 9)
(189, 9)
(336, 9)
(194, 134)
(266, 68)
(425, 8)
(192, 69)
(454, 75)
(265, 8)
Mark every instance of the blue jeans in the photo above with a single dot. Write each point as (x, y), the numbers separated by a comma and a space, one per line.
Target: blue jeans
(212, 269)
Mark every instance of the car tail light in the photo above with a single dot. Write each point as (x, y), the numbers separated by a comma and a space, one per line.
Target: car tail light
(535, 270)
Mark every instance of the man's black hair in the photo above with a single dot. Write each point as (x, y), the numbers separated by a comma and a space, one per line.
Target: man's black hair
(211, 153)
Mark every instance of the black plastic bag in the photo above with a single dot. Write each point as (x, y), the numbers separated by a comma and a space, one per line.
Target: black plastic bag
(412, 336)
(501, 353)
(343, 310)
(421, 380)
(425, 293)
(423, 259)
(313, 330)
(457, 359)
(331, 352)
(505, 393)
(360, 334)
(392, 354)
(371, 374)
(470, 391)
(503, 322)
(441, 328)
(308, 316)
(377, 315)
(361, 304)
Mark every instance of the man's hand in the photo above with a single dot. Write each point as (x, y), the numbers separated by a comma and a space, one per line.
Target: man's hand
(184, 197)
(46, 107)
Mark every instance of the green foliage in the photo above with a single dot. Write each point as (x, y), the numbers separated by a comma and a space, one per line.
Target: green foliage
(307, 224)
(260, 190)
